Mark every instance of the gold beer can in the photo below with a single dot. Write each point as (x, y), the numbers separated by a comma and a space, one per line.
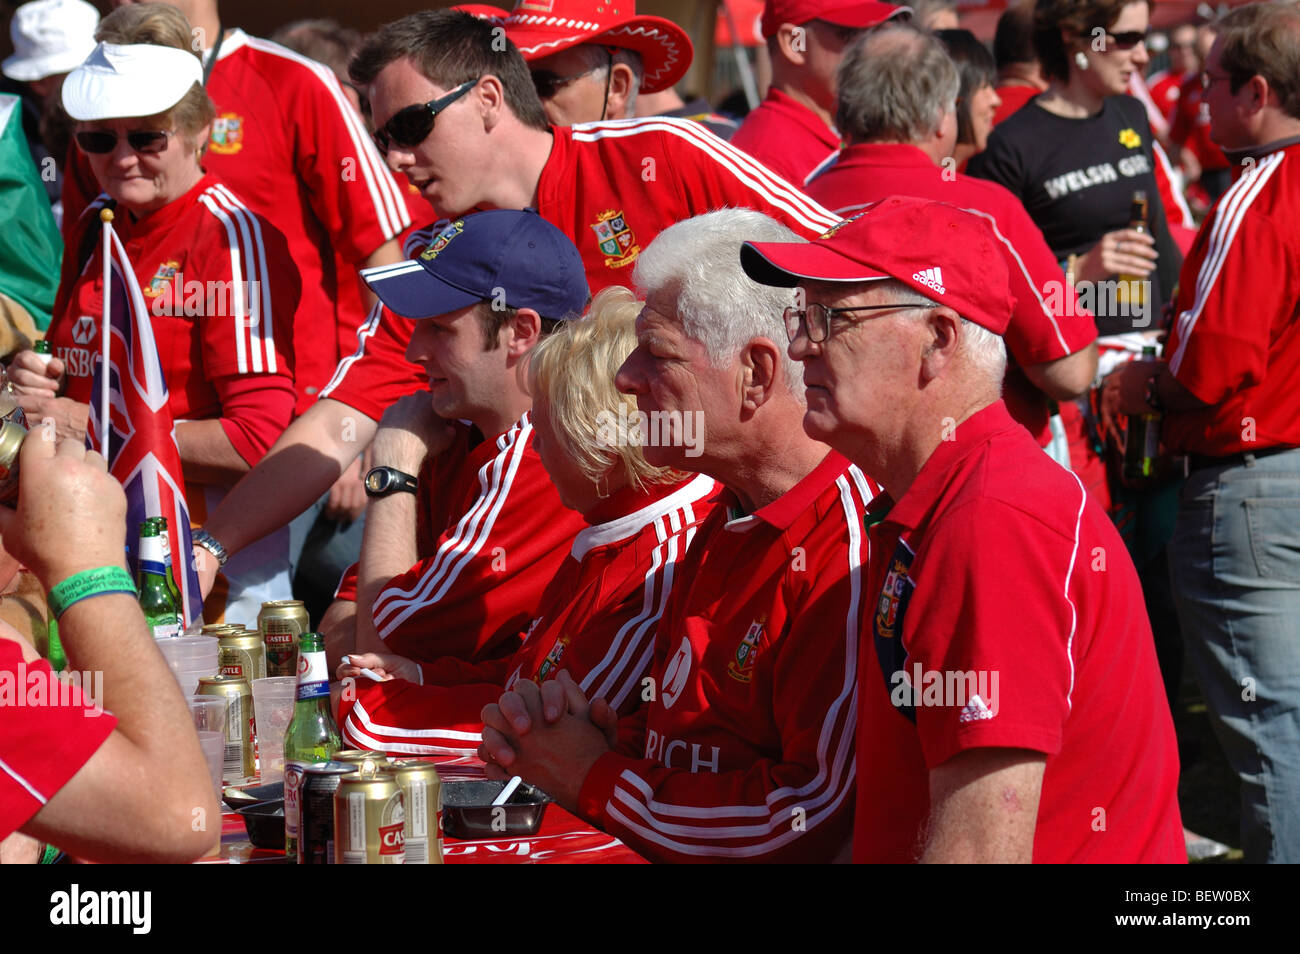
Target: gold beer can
(369, 820)
(280, 623)
(422, 796)
(238, 765)
(242, 654)
(361, 758)
(12, 435)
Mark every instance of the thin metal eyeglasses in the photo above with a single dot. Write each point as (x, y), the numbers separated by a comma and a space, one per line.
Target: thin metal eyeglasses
(411, 126)
(814, 321)
(149, 142)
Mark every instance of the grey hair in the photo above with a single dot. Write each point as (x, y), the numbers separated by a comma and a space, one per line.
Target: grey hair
(595, 57)
(896, 83)
(698, 262)
(984, 349)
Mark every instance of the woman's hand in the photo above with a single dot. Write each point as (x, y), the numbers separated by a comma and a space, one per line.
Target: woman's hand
(30, 374)
(1122, 252)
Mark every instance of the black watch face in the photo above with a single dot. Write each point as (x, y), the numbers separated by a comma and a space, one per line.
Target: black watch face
(377, 481)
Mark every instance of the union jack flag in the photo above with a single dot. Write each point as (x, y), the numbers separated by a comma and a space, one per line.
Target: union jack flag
(142, 451)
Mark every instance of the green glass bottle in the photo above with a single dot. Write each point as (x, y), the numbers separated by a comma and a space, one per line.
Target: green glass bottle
(161, 524)
(312, 736)
(160, 609)
(1142, 446)
(42, 348)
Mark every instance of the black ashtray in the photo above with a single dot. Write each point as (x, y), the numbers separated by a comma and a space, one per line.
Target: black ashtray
(468, 812)
(238, 798)
(265, 823)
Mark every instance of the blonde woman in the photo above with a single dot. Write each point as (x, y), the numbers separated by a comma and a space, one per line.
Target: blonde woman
(598, 616)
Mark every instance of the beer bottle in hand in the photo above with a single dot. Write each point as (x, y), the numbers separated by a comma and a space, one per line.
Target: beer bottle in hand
(161, 524)
(161, 610)
(1142, 445)
(312, 736)
(1132, 289)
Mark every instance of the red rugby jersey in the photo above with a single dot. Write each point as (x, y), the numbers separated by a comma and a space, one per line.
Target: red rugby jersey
(746, 753)
(1013, 97)
(1236, 341)
(786, 136)
(1190, 127)
(1047, 323)
(42, 743)
(611, 187)
(502, 534)
(996, 567)
(221, 287)
(289, 143)
(596, 619)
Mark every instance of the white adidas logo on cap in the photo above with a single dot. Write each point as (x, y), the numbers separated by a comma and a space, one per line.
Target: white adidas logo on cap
(931, 278)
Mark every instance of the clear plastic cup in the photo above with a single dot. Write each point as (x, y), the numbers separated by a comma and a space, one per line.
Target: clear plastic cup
(273, 702)
(209, 714)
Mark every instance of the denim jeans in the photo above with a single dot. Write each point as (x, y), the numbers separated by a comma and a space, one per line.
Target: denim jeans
(1235, 567)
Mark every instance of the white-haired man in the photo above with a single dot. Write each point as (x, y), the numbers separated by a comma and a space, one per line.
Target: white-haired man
(1011, 708)
(743, 750)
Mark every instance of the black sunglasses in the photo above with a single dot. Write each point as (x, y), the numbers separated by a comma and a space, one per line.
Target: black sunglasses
(147, 141)
(1128, 39)
(411, 126)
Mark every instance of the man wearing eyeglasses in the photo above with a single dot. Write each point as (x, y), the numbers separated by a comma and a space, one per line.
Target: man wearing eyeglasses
(792, 130)
(1010, 706)
(457, 112)
(1227, 389)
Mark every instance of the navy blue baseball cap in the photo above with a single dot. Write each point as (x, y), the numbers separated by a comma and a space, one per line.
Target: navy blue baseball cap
(508, 255)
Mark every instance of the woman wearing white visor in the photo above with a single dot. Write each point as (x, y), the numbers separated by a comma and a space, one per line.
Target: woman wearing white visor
(216, 281)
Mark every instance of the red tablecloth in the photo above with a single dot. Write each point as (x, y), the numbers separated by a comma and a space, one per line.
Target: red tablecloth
(563, 838)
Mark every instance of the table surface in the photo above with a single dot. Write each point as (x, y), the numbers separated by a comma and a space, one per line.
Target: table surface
(563, 838)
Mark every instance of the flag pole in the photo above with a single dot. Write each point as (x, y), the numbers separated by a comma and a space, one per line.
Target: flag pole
(106, 217)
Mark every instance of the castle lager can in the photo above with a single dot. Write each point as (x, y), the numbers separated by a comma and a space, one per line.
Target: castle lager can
(316, 805)
(12, 435)
(369, 820)
(241, 653)
(361, 758)
(238, 762)
(422, 797)
(280, 623)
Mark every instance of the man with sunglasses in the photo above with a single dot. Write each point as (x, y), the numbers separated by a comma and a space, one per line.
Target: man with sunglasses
(1227, 390)
(792, 131)
(458, 113)
(589, 61)
(1010, 706)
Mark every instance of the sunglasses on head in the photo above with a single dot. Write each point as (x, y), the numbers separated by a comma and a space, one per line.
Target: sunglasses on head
(147, 141)
(1128, 39)
(411, 126)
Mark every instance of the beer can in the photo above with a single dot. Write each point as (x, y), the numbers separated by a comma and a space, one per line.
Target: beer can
(361, 758)
(369, 820)
(316, 821)
(280, 623)
(11, 442)
(241, 653)
(422, 797)
(237, 766)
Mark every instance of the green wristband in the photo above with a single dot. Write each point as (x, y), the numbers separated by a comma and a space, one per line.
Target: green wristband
(96, 582)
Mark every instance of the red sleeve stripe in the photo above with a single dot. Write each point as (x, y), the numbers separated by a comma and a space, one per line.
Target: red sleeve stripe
(360, 730)
(1069, 576)
(254, 321)
(390, 209)
(1228, 215)
(766, 827)
(496, 478)
(365, 331)
(749, 171)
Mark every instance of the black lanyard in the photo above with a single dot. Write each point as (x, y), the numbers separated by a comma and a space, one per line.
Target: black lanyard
(216, 51)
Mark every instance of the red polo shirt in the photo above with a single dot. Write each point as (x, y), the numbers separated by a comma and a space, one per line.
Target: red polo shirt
(1013, 97)
(1236, 341)
(786, 136)
(995, 565)
(1048, 322)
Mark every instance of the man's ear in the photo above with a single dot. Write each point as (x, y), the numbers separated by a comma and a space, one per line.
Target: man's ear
(491, 99)
(760, 368)
(622, 84)
(792, 43)
(523, 332)
(940, 341)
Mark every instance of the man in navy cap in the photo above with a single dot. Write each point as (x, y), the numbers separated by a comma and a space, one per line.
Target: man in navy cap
(465, 527)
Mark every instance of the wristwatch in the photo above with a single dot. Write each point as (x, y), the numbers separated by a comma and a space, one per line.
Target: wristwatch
(201, 538)
(382, 481)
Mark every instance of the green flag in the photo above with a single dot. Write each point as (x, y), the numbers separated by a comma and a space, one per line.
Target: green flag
(32, 248)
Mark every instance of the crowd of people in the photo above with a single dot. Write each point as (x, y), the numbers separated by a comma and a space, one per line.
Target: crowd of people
(754, 486)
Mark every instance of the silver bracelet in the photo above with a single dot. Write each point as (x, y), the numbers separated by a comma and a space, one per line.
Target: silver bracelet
(210, 543)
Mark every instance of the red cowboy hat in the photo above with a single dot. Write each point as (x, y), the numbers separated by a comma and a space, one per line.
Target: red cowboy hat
(543, 27)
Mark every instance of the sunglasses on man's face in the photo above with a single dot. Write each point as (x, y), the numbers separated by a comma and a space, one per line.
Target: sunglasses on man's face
(147, 141)
(411, 126)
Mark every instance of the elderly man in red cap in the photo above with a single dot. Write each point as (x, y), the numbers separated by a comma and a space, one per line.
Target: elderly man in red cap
(589, 60)
(1010, 704)
(792, 131)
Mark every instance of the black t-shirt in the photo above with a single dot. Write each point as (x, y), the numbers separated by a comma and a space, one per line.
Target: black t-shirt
(1076, 178)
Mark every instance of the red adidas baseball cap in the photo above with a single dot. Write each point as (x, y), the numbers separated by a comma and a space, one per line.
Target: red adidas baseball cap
(945, 253)
(855, 14)
(543, 27)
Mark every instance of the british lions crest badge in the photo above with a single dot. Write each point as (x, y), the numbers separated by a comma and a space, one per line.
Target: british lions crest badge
(227, 134)
(616, 240)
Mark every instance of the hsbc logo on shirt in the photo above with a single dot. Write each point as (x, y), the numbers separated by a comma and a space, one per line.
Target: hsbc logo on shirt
(677, 673)
(83, 332)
